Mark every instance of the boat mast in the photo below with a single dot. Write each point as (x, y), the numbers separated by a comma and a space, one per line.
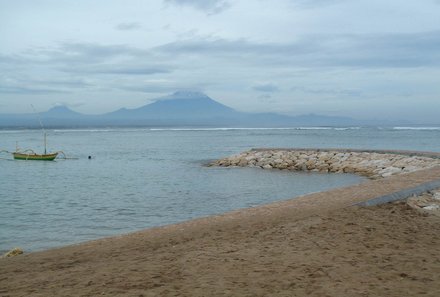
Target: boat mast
(42, 127)
(45, 143)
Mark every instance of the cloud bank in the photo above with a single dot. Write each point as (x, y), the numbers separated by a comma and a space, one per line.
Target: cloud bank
(337, 57)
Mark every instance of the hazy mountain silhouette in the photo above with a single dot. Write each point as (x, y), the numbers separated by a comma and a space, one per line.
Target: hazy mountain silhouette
(61, 111)
(58, 116)
(180, 105)
(178, 109)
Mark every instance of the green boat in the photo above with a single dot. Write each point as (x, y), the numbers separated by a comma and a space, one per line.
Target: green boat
(34, 156)
(31, 155)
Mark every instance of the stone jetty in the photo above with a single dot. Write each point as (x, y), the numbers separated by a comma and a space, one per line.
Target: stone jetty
(428, 202)
(372, 164)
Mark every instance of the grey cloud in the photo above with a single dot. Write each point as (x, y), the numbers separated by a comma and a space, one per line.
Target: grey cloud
(208, 6)
(149, 88)
(119, 69)
(25, 85)
(66, 83)
(87, 52)
(128, 26)
(223, 47)
(86, 58)
(10, 60)
(69, 104)
(326, 91)
(266, 98)
(376, 51)
(389, 50)
(27, 90)
(267, 88)
(69, 63)
(161, 87)
(314, 3)
(76, 53)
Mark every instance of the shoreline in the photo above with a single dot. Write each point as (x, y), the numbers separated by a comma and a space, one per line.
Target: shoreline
(135, 262)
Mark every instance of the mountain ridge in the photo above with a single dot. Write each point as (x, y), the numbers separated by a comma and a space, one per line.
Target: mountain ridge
(181, 108)
(178, 105)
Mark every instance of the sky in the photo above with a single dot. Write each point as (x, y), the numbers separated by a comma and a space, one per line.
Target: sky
(367, 59)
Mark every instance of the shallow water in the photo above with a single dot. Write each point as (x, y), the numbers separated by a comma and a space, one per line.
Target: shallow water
(139, 178)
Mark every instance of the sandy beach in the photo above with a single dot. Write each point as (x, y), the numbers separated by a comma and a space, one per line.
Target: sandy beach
(315, 245)
(389, 250)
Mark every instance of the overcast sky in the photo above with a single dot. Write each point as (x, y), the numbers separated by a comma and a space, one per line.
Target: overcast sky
(361, 58)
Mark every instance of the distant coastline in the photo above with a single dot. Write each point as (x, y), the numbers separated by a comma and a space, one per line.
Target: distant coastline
(108, 128)
(186, 109)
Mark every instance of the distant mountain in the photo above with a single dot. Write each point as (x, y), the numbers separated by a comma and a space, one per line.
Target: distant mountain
(180, 105)
(61, 111)
(58, 116)
(178, 109)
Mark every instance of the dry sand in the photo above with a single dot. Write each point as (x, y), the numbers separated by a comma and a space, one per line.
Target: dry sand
(316, 245)
(389, 250)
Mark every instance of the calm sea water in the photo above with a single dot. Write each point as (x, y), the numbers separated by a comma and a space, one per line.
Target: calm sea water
(140, 178)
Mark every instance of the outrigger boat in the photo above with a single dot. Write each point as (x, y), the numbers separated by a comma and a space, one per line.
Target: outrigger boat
(31, 155)
(34, 156)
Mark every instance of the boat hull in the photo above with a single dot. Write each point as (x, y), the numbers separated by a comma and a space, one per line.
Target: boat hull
(37, 157)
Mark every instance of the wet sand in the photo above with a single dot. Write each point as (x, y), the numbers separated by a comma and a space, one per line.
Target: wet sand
(316, 245)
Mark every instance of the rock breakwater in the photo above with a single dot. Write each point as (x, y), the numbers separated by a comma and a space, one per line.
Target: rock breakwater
(373, 165)
(428, 202)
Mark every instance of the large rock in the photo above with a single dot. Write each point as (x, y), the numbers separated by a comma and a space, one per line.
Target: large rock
(14, 252)
(388, 171)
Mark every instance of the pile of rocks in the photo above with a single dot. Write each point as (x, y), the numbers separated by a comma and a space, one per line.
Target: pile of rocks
(428, 202)
(14, 252)
(369, 164)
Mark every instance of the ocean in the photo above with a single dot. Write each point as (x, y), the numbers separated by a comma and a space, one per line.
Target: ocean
(141, 177)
